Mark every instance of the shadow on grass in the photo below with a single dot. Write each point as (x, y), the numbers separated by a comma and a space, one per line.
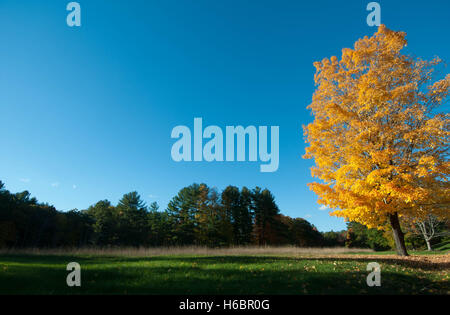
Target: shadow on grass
(47, 275)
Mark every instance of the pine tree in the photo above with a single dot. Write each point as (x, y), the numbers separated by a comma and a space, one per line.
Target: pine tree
(132, 214)
(182, 210)
(265, 210)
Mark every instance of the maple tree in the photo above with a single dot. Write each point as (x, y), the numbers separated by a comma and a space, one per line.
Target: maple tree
(379, 143)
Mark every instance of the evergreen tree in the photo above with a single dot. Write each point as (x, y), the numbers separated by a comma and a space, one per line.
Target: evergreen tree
(105, 223)
(132, 215)
(265, 210)
(182, 210)
(237, 205)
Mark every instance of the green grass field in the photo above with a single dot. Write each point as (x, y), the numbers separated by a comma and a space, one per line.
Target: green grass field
(224, 274)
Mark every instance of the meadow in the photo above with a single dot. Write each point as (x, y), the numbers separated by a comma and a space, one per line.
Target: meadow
(193, 270)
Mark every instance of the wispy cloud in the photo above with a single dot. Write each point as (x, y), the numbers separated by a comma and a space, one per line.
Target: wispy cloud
(25, 180)
(152, 196)
(323, 207)
(55, 184)
(74, 186)
(307, 216)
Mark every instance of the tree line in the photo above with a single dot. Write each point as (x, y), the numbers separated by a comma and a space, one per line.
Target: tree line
(197, 215)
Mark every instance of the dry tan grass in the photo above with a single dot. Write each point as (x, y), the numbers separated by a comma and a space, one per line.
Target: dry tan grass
(187, 250)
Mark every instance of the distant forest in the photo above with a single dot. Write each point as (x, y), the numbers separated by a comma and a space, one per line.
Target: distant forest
(197, 215)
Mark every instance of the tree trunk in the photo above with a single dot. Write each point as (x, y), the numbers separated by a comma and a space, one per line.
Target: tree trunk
(398, 235)
(428, 245)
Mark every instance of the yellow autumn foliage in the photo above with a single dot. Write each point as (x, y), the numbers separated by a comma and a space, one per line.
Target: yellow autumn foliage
(379, 144)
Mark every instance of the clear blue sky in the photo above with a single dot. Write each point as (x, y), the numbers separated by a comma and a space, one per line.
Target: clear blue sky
(86, 113)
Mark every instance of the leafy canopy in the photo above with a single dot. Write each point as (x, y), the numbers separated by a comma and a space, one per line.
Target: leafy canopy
(380, 146)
